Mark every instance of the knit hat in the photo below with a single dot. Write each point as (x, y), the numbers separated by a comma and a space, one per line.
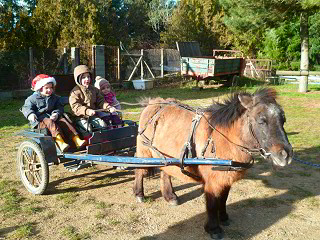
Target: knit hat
(100, 82)
(40, 80)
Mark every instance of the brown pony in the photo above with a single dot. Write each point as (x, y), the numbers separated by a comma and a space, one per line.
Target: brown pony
(234, 130)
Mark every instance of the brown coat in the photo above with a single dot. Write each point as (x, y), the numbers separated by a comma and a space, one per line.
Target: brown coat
(81, 98)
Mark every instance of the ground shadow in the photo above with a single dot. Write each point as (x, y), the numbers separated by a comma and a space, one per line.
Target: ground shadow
(184, 197)
(5, 232)
(245, 224)
(95, 176)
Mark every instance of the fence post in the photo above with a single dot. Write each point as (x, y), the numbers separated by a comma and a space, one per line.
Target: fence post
(99, 60)
(75, 57)
(118, 72)
(32, 73)
(65, 61)
(141, 64)
(161, 64)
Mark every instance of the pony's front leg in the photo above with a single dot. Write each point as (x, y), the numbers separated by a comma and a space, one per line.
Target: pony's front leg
(212, 226)
(167, 190)
(138, 190)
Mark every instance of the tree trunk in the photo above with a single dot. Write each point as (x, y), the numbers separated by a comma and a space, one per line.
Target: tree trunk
(304, 64)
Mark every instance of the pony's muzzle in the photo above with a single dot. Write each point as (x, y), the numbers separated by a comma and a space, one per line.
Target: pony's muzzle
(283, 155)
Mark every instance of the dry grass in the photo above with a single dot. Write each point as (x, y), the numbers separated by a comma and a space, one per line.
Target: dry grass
(97, 203)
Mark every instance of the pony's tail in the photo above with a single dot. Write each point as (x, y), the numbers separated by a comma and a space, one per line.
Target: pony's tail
(144, 101)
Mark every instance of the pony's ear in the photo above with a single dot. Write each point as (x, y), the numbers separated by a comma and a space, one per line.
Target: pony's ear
(246, 101)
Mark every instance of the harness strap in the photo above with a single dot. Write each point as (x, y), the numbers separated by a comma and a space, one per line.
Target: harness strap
(251, 151)
(209, 140)
(187, 148)
(148, 142)
(153, 118)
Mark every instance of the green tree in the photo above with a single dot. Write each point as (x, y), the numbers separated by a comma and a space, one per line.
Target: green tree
(196, 20)
(249, 19)
(14, 25)
(283, 44)
(314, 33)
(66, 23)
(159, 13)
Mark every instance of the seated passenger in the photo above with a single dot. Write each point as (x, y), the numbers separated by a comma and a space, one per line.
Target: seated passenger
(85, 99)
(44, 110)
(109, 97)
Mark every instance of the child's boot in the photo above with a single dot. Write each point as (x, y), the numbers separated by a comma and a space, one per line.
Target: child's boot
(79, 143)
(61, 143)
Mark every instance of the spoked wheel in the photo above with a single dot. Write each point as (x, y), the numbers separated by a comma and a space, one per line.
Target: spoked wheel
(33, 167)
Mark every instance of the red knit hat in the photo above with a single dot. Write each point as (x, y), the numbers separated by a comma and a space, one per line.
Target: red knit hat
(40, 80)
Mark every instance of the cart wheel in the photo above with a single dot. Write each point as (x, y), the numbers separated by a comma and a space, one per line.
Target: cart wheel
(33, 167)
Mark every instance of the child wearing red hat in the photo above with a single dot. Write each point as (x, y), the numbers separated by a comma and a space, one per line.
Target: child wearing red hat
(44, 110)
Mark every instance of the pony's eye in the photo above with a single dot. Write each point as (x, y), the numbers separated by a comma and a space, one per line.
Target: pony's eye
(262, 120)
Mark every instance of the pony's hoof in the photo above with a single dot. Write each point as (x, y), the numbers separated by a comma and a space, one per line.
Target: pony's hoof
(225, 223)
(140, 199)
(174, 202)
(215, 233)
(219, 236)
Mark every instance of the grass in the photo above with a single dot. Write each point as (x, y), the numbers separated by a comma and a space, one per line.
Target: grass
(71, 233)
(20, 211)
(100, 215)
(23, 232)
(300, 192)
(68, 197)
(10, 197)
(103, 205)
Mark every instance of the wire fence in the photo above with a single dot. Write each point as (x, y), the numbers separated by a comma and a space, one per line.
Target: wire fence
(157, 63)
(17, 68)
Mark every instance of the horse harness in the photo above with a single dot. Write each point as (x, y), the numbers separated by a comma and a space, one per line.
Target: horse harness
(188, 149)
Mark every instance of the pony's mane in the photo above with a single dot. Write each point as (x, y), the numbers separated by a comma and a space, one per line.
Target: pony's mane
(231, 109)
(225, 113)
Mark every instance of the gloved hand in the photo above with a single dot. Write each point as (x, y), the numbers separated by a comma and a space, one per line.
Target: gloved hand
(112, 109)
(90, 112)
(32, 117)
(54, 117)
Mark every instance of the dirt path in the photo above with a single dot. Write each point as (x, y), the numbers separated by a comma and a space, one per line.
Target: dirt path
(97, 203)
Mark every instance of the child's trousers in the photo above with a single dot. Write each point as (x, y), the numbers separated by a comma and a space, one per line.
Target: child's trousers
(61, 126)
(96, 122)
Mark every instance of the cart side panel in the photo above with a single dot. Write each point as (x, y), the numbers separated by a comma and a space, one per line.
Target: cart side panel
(113, 134)
(227, 66)
(110, 146)
(209, 66)
(196, 66)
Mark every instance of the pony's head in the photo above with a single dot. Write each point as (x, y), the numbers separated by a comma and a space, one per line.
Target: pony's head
(265, 119)
(262, 120)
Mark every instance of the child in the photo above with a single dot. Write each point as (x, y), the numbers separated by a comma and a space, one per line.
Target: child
(109, 97)
(84, 99)
(44, 110)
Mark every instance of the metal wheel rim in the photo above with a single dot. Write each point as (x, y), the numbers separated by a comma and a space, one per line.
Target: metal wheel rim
(32, 168)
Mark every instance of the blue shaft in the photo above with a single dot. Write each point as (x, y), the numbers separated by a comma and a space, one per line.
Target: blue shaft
(148, 161)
